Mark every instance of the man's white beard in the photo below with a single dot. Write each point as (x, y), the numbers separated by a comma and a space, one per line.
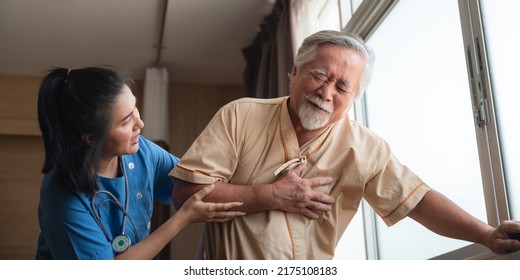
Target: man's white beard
(312, 118)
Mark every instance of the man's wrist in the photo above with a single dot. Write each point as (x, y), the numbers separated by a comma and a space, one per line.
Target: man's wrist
(266, 197)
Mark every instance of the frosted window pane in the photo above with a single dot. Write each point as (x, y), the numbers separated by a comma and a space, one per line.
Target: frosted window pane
(501, 27)
(352, 244)
(419, 101)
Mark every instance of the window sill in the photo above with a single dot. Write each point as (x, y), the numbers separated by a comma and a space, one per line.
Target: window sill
(476, 252)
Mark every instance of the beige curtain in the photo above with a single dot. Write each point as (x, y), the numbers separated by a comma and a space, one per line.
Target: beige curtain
(304, 21)
(155, 105)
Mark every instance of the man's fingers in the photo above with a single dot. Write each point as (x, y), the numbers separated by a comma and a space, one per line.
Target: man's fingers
(309, 214)
(319, 196)
(320, 181)
(322, 198)
(299, 168)
(319, 206)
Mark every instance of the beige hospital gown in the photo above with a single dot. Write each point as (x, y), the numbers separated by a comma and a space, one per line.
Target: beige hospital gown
(248, 139)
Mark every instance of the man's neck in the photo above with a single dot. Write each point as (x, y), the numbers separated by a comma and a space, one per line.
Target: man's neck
(305, 135)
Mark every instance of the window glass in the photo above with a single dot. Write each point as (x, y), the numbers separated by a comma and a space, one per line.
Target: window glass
(328, 17)
(500, 26)
(419, 102)
(346, 12)
(352, 244)
(348, 8)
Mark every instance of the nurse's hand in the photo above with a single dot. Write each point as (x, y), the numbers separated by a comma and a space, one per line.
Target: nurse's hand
(193, 210)
(196, 210)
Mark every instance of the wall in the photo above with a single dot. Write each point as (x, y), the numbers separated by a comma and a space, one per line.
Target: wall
(21, 158)
(186, 123)
(21, 155)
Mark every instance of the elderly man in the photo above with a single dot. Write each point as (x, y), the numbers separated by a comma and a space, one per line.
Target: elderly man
(301, 166)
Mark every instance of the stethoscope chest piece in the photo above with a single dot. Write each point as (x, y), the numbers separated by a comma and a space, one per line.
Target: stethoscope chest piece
(121, 243)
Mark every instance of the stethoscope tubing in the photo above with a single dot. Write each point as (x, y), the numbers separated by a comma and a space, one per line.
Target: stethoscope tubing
(114, 200)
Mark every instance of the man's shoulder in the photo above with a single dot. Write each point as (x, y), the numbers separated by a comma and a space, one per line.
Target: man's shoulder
(258, 101)
(359, 130)
(249, 105)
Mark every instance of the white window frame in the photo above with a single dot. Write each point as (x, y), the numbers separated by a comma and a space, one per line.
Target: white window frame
(484, 112)
(364, 22)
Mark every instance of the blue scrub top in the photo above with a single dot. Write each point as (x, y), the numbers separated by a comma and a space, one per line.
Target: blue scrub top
(68, 226)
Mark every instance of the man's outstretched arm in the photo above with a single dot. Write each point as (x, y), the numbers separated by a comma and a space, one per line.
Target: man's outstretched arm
(442, 216)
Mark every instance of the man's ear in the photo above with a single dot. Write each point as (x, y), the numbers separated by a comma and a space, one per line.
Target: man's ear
(89, 139)
(293, 71)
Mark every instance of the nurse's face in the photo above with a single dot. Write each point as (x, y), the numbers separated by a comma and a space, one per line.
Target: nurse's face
(123, 135)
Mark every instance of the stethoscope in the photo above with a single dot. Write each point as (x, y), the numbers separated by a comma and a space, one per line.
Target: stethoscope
(121, 242)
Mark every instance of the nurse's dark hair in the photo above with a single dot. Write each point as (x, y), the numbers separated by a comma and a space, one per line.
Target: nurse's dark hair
(74, 114)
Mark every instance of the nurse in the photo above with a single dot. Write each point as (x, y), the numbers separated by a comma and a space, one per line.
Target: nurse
(101, 177)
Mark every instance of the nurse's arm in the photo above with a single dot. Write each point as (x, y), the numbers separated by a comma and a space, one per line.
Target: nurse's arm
(289, 193)
(194, 210)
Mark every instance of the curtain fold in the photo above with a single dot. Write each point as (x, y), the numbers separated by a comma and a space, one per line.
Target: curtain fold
(155, 105)
(269, 59)
(304, 21)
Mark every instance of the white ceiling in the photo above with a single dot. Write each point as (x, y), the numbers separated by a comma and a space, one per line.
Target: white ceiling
(202, 43)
